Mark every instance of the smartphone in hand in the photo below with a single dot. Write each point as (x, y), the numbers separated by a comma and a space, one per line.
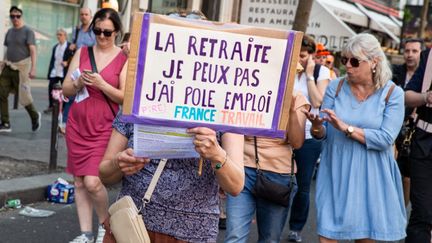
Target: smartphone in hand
(88, 71)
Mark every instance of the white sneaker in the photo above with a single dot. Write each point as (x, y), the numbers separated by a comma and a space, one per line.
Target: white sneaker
(82, 239)
(294, 236)
(100, 235)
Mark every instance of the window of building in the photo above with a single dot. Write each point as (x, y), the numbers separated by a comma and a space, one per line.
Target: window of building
(166, 6)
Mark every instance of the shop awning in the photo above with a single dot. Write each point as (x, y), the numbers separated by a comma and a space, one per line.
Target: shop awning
(382, 23)
(323, 25)
(346, 11)
(397, 21)
(327, 28)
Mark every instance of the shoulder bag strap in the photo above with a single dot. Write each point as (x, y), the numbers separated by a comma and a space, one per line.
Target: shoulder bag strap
(94, 69)
(256, 153)
(339, 87)
(77, 29)
(257, 161)
(389, 93)
(154, 181)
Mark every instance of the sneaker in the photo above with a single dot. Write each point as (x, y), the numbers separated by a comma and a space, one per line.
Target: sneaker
(5, 127)
(37, 124)
(100, 235)
(294, 236)
(82, 239)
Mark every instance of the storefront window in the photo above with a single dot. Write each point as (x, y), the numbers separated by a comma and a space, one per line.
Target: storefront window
(211, 9)
(166, 6)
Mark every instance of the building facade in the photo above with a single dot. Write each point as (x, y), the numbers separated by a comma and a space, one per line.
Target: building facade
(331, 22)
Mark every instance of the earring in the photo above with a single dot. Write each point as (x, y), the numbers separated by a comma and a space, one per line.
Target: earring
(374, 70)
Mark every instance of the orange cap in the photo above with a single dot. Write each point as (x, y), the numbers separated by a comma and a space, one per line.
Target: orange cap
(321, 50)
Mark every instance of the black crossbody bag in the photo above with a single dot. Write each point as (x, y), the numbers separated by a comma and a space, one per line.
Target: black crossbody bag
(269, 190)
(94, 69)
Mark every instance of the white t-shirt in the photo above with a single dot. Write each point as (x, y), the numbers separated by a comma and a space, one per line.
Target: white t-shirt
(300, 85)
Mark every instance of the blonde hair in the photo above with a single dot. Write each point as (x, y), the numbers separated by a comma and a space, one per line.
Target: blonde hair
(366, 47)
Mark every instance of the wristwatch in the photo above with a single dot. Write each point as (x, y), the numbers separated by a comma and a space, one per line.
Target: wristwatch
(349, 131)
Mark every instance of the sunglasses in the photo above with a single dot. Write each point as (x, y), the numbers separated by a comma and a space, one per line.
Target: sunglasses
(14, 16)
(353, 61)
(107, 33)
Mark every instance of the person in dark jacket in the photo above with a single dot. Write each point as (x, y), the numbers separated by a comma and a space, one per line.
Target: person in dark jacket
(418, 94)
(58, 66)
(401, 75)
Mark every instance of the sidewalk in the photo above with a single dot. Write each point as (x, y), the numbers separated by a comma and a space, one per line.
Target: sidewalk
(23, 144)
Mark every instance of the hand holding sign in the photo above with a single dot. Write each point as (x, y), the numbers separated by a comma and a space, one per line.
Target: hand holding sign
(207, 146)
(128, 163)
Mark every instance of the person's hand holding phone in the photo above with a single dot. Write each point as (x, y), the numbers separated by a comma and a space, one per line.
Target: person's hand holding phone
(315, 119)
(310, 66)
(92, 79)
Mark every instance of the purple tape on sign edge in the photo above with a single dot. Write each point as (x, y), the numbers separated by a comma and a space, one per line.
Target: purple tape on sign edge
(283, 80)
(223, 128)
(141, 63)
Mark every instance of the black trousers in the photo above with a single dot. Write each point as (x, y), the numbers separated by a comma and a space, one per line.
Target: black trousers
(420, 222)
(52, 81)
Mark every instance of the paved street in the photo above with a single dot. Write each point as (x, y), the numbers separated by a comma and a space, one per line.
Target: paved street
(37, 145)
(63, 225)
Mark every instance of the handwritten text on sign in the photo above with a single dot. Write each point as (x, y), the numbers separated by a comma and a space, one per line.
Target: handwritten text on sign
(205, 76)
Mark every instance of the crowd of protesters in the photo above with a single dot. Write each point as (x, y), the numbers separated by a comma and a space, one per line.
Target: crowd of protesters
(344, 126)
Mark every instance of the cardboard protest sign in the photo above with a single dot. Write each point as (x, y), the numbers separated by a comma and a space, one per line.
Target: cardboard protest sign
(229, 77)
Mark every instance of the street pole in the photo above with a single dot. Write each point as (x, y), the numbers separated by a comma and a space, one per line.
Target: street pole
(54, 127)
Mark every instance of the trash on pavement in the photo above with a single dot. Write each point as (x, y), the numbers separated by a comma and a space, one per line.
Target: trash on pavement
(60, 192)
(13, 203)
(35, 213)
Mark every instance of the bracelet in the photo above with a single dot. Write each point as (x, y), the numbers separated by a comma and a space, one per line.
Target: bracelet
(314, 135)
(310, 78)
(219, 165)
(316, 130)
(425, 97)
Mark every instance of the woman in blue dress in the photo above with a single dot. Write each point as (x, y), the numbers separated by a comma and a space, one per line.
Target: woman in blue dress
(359, 191)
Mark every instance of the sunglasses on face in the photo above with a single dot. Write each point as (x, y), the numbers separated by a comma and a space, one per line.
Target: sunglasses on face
(353, 61)
(15, 16)
(107, 33)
